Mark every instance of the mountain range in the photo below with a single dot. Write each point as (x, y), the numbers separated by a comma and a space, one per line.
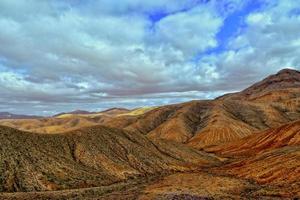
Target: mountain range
(243, 145)
(8, 115)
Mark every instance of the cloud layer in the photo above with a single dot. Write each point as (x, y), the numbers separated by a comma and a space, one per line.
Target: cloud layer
(64, 55)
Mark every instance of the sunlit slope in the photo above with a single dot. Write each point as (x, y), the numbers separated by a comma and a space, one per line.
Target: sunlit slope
(50, 125)
(286, 135)
(270, 158)
(116, 117)
(269, 103)
(206, 123)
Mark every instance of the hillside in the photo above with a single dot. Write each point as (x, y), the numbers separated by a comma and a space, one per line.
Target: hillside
(286, 135)
(250, 141)
(87, 157)
(283, 80)
(64, 122)
(231, 117)
(261, 166)
(269, 103)
(270, 158)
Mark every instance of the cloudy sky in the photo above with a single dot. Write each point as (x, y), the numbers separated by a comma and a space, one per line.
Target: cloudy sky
(62, 55)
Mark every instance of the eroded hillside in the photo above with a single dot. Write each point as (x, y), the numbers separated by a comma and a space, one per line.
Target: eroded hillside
(87, 157)
(239, 146)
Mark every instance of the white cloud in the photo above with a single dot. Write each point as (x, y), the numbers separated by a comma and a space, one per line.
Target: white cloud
(69, 52)
(268, 43)
(190, 32)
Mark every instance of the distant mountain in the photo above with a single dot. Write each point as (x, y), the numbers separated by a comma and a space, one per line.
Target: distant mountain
(7, 115)
(115, 111)
(111, 111)
(75, 112)
(64, 122)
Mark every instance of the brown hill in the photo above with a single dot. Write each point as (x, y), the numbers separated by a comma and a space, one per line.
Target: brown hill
(115, 111)
(87, 157)
(270, 158)
(265, 165)
(277, 83)
(254, 132)
(64, 122)
(205, 123)
(75, 112)
(51, 125)
(270, 103)
(286, 135)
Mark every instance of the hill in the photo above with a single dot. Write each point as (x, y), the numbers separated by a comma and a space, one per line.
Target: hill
(286, 78)
(87, 157)
(250, 140)
(269, 103)
(75, 112)
(270, 158)
(285, 135)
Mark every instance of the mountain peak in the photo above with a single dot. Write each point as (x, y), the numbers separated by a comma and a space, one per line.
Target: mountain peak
(288, 71)
(285, 78)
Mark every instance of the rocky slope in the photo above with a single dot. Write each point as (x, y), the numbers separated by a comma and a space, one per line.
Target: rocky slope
(285, 135)
(269, 103)
(87, 157)
(270, 158)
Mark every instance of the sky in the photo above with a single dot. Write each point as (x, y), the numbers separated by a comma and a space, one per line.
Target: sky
(64, 55)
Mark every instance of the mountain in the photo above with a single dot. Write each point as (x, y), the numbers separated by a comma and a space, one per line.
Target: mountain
(269, 103)
(7, 115)
(244, 145)
(75, 112)
(115, 111)
(51, 125)
(116, 117)
(111, 111)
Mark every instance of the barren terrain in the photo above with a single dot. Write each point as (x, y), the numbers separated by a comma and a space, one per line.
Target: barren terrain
(239, 146)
